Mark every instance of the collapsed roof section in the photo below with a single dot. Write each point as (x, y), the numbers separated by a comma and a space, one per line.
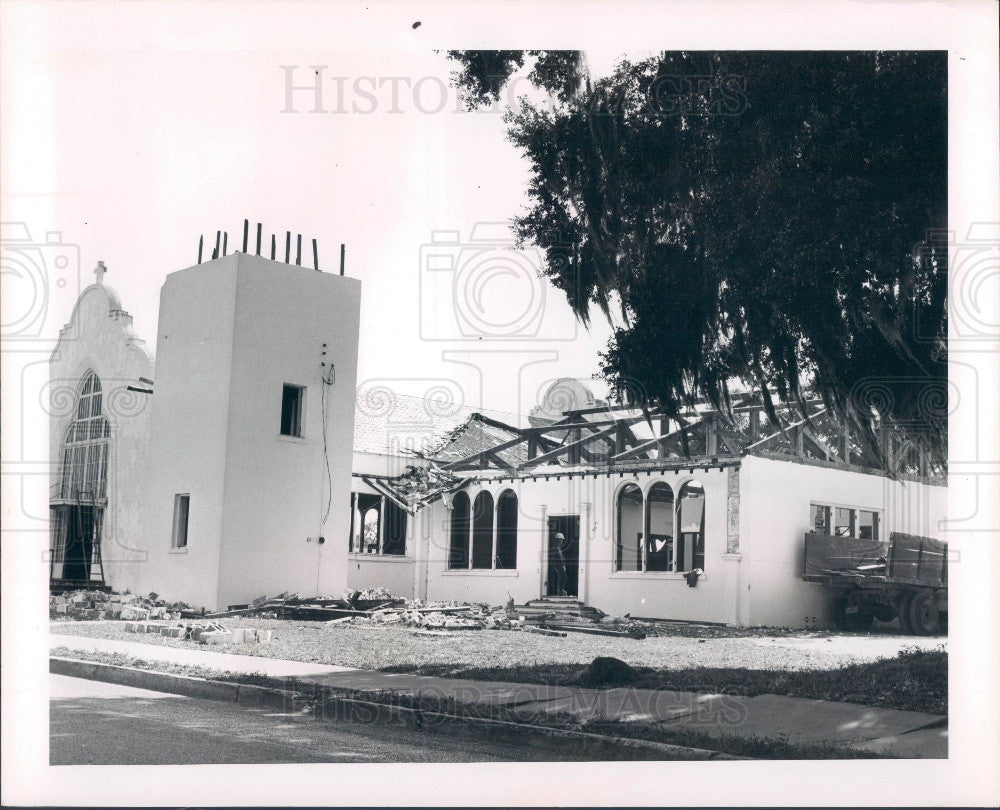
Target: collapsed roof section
(622, 438)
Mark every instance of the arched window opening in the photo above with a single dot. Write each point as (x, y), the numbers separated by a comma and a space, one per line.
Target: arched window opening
(690, 527)
(482, 531)
(78, 514)
(458, 556)
(85, 452)
(378, 525)
(506, 556)
(628, 539)
(371, 521)
(660, 528)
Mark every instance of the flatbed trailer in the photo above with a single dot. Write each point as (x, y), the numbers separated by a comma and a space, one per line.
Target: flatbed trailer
(906, 578)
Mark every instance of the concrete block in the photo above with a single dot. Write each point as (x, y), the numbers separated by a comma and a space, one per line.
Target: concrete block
(215, 637)
(263, 636)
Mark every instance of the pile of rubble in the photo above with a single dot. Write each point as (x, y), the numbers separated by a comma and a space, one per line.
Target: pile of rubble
(437, 618)
(97, 605)
(371, 607)
(441, 616)
(202, 632)
(290, 606)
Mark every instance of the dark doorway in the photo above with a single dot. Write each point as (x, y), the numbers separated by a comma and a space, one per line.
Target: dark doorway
(569, 527)
(79, 543)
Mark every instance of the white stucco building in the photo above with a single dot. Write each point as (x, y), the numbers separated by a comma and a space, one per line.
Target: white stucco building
(639, 516)
(254, 443)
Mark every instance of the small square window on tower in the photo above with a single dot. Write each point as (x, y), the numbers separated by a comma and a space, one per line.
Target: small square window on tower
(292, 399)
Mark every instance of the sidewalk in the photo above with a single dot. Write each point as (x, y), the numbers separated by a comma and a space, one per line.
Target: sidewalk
(276, 668)
(798, 720)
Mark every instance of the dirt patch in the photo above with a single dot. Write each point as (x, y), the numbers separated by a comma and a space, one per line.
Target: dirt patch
(378, 647)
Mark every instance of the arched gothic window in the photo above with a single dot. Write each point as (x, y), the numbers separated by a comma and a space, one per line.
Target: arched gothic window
(628, 538)
(506, 556)
(482, 531)
(85, 451)
(458, 556)
(660, 528)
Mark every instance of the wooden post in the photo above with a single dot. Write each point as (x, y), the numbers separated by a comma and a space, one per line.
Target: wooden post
(574, 451)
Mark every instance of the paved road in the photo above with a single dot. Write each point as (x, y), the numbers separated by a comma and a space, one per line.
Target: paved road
(94, 723)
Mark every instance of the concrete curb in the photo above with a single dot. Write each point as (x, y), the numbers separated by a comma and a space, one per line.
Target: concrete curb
(347, 707)
(172, 684)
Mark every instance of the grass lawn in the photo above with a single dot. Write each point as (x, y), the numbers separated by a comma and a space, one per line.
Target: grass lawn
(914, 680)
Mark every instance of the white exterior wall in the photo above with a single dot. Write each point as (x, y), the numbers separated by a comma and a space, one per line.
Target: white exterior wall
(666, 594)
(232, 332)
(100, 337)
(652, 594)
(188, 430)
(436, 581)
(758, 583)
(774, 509)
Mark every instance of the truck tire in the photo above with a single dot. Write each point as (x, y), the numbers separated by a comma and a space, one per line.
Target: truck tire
(903, 612)
(925, 618)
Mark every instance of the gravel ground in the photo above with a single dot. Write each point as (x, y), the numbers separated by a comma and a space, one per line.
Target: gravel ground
(373, 647)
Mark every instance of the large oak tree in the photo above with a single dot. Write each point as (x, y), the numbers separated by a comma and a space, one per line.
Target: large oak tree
(761, 220)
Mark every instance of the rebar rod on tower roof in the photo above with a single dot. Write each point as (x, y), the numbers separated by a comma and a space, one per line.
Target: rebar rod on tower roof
(218, 237)
(258, 238)
(315, 256)
(225, 243)
(201, 244)
(288, 247)
(342, 258)
(274, 246)
(298, 249)
(246, 234)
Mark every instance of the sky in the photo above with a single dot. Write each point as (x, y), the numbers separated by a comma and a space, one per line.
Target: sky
(133, 140)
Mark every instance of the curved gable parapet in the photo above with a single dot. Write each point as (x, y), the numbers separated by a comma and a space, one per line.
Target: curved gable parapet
(97, 309)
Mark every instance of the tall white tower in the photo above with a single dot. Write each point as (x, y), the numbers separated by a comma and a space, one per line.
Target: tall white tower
(251, 432)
